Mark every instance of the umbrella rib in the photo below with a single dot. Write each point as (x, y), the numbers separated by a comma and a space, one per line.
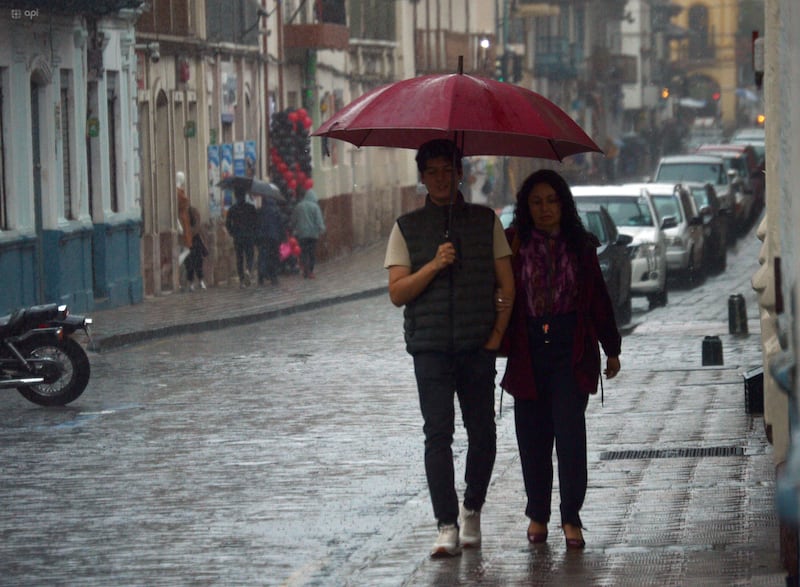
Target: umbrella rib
(552, 144)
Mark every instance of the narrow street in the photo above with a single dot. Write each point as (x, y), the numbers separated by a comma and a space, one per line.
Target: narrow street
(289, 452)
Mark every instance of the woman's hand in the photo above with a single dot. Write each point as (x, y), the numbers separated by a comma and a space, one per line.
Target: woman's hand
(612, 367)
(501, 303)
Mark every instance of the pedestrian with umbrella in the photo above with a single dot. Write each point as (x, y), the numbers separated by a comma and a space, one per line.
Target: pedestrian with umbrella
(241, 223)
(270, 233)
(453, 332)
(449, 262)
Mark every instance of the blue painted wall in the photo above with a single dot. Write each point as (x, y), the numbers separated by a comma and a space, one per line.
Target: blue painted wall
(87, 268)
(117, 264)
(17, 274)
(68, 268)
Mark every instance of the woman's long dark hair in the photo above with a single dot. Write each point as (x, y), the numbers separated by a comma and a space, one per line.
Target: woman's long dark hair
(572, 229)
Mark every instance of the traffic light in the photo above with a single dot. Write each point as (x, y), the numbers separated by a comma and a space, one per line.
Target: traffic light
(516, 68)
(664, 93)
(501, 67)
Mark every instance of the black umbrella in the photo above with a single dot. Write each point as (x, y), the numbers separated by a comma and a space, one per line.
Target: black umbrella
(257, 187)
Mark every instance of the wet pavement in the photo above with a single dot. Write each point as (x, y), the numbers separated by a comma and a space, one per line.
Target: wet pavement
(681, 478)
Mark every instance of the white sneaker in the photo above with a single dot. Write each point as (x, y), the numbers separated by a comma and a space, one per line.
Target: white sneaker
(202, 284)
(191, 287)
(470, 532)
(447, 542)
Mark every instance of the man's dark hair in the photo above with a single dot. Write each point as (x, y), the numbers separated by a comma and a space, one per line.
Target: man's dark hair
(438, 148)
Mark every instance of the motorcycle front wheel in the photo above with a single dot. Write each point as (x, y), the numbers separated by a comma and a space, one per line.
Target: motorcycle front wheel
(63, 384)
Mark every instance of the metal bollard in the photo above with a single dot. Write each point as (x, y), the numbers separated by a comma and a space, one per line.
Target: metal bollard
(737, 315)
(712, 350)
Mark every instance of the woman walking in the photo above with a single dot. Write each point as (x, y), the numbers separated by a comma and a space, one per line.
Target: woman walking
(561, 311)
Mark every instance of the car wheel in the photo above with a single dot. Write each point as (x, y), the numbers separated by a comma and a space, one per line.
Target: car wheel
(624, 311)
(657, 299)
(722, 260)
(696, 272)
(691, 270)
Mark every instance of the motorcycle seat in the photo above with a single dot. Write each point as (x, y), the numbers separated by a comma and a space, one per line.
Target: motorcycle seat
(26, 318)
(9, 322)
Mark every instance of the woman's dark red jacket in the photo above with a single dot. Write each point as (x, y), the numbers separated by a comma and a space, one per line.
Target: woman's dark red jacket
(595, 324)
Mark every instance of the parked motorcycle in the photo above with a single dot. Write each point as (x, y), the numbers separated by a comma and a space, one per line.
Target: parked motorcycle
(39, 357)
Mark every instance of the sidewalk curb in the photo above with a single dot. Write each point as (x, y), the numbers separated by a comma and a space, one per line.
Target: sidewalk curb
(114, 341)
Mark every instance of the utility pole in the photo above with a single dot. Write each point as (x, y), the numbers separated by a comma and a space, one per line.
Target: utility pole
(265, 97)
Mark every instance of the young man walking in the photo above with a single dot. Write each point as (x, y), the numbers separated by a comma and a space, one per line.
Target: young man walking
(448, 263)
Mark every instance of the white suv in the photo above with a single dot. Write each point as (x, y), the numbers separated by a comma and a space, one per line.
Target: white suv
(634, 213)
(685, 240)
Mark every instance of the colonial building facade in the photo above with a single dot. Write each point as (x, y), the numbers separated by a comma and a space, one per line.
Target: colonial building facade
(69, 208)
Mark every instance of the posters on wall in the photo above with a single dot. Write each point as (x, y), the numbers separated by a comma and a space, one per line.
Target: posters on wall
(226, 168)
(224, 160)
(214, 203)
(250, 158)
(238, 159)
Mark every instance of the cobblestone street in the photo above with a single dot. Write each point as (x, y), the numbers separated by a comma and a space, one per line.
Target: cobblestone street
(288, 451)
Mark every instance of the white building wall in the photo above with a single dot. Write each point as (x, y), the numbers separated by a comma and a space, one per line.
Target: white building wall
(38, 50)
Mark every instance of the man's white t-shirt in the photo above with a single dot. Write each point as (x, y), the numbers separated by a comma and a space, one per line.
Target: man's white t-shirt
(397, 249)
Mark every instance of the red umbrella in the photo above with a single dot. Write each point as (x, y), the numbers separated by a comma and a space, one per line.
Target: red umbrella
(483, 117)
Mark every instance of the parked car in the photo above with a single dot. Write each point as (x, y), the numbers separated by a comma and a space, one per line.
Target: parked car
(685, 240)
(754, 137)
(704, 169)
(613, 254)
(506, 214)
(714, 225)
(698, 135)
(749, 179)
(634, 214)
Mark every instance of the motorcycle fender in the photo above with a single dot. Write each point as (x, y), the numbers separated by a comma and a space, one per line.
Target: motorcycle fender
(73, 322)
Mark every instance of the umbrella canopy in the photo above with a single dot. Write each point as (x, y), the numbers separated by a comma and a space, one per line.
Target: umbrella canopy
(257, 187)
(482, 116)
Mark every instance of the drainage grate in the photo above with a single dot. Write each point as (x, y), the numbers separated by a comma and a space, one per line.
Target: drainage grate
(671, 453)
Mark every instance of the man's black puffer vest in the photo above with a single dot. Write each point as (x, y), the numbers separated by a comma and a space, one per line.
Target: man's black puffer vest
(456, 311)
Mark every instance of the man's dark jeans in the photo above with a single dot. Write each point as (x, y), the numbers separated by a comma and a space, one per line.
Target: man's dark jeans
(268, 259)
(471, 376)
(244, 248)
(308, 255)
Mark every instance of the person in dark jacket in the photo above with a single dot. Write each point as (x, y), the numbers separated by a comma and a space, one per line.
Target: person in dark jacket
(309, 225)
(241, 223)
(446, 261)
(197, 252)
(270, 232)
(561, 310)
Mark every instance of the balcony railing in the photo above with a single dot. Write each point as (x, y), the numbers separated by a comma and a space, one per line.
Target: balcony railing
(437, 51)
(324, 35)
(372, 62)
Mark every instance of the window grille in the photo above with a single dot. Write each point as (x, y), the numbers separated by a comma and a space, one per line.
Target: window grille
(66, 143)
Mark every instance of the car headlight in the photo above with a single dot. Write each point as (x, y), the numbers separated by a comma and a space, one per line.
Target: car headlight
(675, 241)
(643, 251)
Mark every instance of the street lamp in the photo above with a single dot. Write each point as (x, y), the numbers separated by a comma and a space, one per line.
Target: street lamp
(484, 44)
